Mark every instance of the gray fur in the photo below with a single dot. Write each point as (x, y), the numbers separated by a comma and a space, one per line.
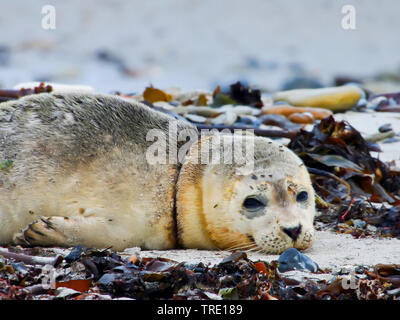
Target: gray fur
(62, 130)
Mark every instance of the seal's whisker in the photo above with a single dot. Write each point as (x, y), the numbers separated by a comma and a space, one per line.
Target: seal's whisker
(255, 249)
(244, 247)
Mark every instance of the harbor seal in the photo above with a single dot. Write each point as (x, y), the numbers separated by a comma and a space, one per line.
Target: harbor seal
(74, 171)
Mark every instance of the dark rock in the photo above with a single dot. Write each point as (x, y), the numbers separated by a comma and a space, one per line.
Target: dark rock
(292, 259)
(342, 80)
(74, 254)
(385, 128)
(107, 279)
(301, 83)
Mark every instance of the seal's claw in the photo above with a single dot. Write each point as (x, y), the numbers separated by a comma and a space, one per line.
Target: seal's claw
(41, 232)
(19, 238)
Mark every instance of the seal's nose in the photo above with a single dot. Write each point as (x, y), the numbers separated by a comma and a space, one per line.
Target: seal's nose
(293, 232)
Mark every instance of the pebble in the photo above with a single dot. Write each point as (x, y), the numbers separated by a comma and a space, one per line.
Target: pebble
(385, 128)
(301, 83)
(240, 110)
(107, 278)
(164, 105)
(196, 118)
(250, 121)
(393, 292)
(371, 228)
(191, 95)
(287, 111)
(302, 118)
(362, 104)
(377, 102)
(333, 98)
(64, 292)
(358, 223)
(278, 120)
(227, 118)
(202, 111)
(293, 259)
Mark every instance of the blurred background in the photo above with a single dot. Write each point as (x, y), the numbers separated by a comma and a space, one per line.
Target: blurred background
(124, 46)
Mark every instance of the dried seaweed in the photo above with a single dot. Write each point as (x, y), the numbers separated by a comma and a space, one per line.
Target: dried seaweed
(235, 277)
(10, 94)
(346, 174)
(338, 148)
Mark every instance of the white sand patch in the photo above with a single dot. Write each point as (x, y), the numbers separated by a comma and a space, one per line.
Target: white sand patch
(329, 251)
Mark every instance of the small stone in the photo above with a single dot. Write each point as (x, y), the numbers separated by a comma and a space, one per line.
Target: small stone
(246, 110)
(362, 104)
(64, 292)
(74, 254)
(393, 292)
(287, 111)
(359, 224)
(201, 111)
(107, 278)
(249, 121)
(279, 121)
(195, 118)
(301, 83)
(385, 128)
(371, 228)
(164, 105)
(333, 98)
(226, 118)
(302, 118)
(377, 102)
(192, 95)
(292, 259)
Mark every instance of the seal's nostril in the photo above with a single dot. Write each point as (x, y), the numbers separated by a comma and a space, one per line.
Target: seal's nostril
(293, 232)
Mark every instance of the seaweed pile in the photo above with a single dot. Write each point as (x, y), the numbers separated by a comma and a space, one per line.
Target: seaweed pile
(88, 274)
(349, 180)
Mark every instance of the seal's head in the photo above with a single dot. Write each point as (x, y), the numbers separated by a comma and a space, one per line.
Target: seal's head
(266, 204)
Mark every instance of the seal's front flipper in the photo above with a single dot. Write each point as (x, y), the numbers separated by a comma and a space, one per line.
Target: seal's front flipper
(66, 232)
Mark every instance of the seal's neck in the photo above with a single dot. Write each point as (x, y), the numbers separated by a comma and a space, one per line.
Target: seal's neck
(190, 222)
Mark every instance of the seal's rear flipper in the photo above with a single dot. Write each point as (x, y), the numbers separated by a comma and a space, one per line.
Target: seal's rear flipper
(67, 232)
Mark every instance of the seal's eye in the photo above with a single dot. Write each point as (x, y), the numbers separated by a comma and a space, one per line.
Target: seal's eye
(252, 203)
(302, 196)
